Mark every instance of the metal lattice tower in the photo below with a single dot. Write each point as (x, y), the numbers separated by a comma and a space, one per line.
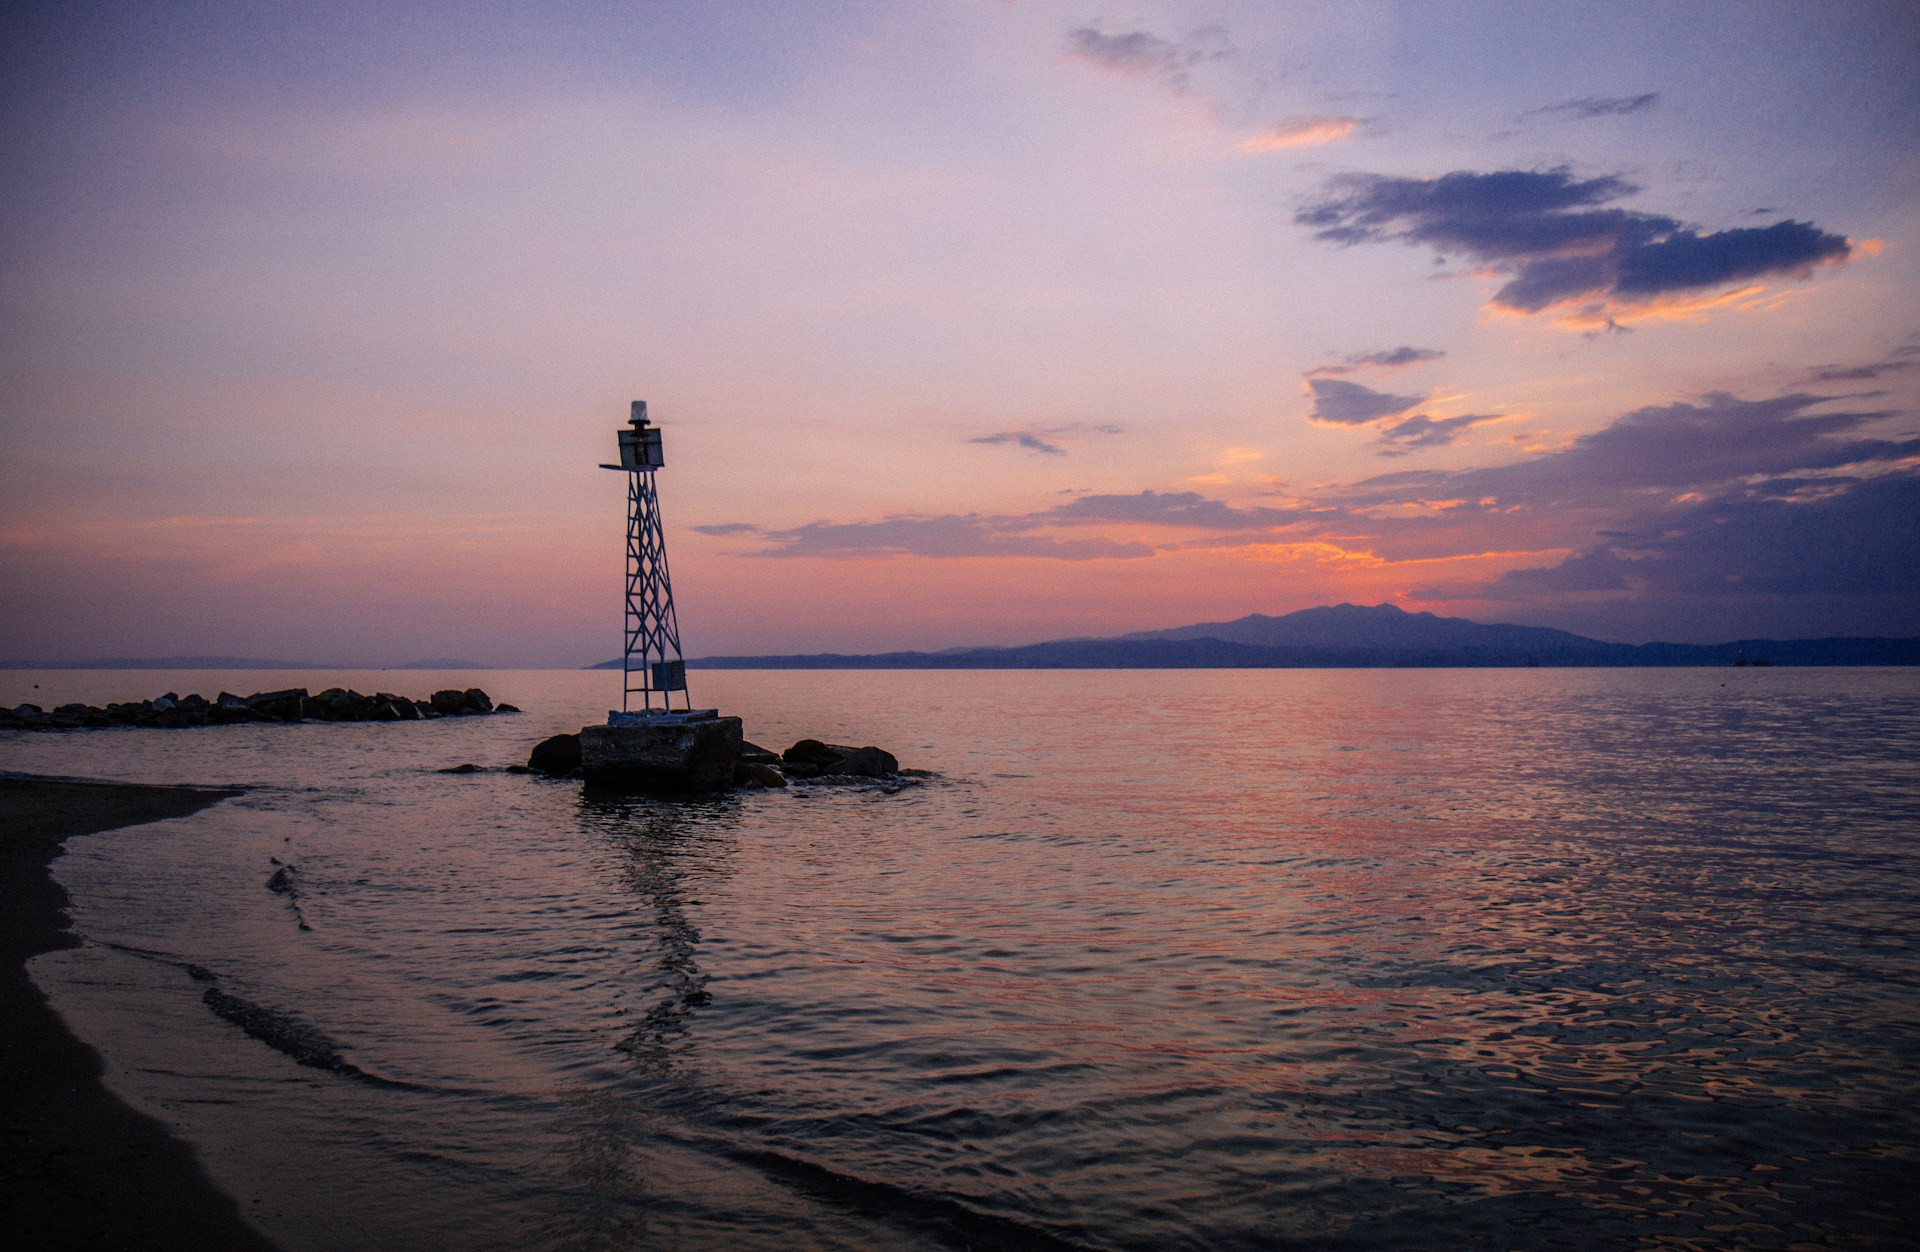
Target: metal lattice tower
(654, 666)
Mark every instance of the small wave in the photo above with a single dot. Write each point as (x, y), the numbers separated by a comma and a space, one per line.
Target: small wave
(282, 883)
(286, 1033)
(942, 1217)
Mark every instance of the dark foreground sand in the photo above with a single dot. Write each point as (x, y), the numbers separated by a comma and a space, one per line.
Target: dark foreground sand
(79, 1169)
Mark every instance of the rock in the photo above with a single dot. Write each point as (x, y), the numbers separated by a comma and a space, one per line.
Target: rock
(335, 704)
(229, 708)
(757, 754)
(281, 706)
(468, 768)
(868, 763)
(811, 752)
(558, 755)
(752, 774)
(811, 758)
(505, 708)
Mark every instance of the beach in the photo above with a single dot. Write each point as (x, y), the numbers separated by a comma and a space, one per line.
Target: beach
(83, 1169)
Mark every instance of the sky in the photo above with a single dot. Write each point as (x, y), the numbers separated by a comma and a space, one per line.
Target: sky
(965, 322)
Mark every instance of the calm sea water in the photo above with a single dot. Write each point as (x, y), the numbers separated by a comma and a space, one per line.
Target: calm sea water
(1189, 959)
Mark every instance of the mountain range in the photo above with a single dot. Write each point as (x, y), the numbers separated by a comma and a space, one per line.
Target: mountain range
(1349, 636)
(225, 662)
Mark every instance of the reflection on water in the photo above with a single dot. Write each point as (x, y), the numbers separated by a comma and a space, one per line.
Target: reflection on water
(675, 849)
(1167, 960)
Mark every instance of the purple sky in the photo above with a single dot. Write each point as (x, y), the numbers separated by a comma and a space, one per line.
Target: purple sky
(966, 322)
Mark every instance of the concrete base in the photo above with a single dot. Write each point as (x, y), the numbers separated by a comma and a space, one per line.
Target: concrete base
(678, 753)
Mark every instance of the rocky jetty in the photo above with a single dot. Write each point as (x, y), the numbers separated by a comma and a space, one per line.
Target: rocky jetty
(296, 704)
(747, 766)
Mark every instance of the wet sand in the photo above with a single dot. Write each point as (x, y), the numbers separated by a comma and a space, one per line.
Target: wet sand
(80, 1169)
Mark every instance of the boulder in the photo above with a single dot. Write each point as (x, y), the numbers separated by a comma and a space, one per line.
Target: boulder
(281, 706)
(448, 703)
(756, 754)
(558, 755)
(868, 763)
(753, 774)
(474, 700)
(811, 758)
(811, 752)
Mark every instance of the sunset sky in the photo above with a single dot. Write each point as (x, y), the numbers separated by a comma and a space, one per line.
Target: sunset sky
(966, 322)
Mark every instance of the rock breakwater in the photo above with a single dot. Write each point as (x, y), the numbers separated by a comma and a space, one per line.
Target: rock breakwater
(296, 704)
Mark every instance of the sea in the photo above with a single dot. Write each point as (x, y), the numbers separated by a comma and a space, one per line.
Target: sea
(1188, 959)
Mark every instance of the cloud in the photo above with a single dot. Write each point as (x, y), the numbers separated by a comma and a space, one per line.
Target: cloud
(1386, 359)
(1563, 250)
(1672, 519)
(1841, 547)
(949, 536)
(1172, 508)
(1421, 431)
(1300, 132)
(1024, 438)
(1047, 439)
(1898, 361)
(1141, 54)
(1717, 444)
(1350, 404)
(728, 528)
(1598, 106)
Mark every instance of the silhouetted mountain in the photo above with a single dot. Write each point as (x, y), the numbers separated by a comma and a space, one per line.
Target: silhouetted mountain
(1348, 636)
(228, 662)
(170, 662)
(1379, 627)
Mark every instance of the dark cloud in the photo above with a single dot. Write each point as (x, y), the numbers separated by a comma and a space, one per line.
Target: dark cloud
(1719, 443)
(1387, 359)
(1171, 508)
(1563, 249)
(1420, 431)
(1047, 438)
(1141, 54)
(1599, 106)
(968, 535)
(1350, 404)
(1831, 550)
(728, 528)
(1897, 362)
(1024, 438)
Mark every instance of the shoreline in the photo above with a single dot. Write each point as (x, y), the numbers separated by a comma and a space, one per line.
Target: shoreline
(85, 1170)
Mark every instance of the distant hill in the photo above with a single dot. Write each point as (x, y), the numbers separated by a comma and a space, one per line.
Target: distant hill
(225, 662)
(1348, 636)
(169, 662)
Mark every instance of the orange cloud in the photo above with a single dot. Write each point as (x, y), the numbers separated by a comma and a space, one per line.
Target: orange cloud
(1300, 132)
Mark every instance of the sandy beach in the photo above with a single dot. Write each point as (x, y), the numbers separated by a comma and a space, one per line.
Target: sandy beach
(82, 1169)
